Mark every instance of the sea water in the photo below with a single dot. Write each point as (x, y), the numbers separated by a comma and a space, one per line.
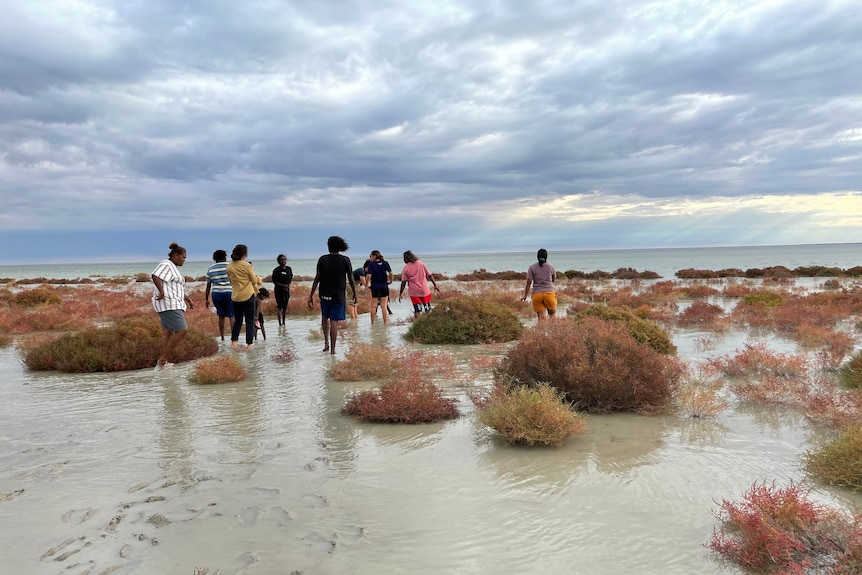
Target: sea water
(665, 262)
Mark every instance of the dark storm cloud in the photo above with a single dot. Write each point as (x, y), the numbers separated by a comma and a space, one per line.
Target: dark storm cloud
(463, 115)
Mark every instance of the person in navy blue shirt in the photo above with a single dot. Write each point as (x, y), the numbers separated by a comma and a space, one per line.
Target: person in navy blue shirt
(379, 275)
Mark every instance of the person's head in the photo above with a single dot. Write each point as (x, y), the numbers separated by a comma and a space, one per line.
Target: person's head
(336, 244)
(542, 256)
(219, 256)
(358, 273)
(177, 254)
(263, 293)
(376, 256)
(409, 257)
(281, 259)
(240, 251)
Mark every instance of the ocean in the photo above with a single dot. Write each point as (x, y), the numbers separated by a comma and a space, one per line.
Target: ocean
(665, 261)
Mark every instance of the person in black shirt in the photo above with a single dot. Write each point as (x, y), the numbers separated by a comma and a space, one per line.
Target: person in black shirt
(334, 270)
(282, 276)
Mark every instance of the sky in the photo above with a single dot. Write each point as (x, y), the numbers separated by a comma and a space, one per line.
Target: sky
(438, 126)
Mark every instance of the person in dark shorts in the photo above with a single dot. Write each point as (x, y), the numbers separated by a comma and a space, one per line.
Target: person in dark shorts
(262, 296)
(282, 276)
(334, 271)
(379, 276)
(218, 290)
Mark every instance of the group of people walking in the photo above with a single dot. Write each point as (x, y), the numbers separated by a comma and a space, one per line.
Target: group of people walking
(236, 291)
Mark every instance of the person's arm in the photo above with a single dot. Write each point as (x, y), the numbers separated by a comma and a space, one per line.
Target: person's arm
(430, 278)
(527, 288)
(159, 286)
(207, 293)
(313, 287)
(403, 284)
(352, 286)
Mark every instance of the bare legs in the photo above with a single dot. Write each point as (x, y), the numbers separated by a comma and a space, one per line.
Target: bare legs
(330, 333)
(170, 339)
(383, 304)
(221, 319)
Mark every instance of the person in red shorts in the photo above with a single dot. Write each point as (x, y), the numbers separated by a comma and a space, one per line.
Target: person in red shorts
(416, 276)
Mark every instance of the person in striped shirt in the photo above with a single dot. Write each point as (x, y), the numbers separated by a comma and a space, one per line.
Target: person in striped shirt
(169, 301)
(218, 285)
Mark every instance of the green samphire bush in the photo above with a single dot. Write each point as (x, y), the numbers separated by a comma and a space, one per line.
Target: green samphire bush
(642, 330)
(851, 372)
(466, 320)
(128, 344)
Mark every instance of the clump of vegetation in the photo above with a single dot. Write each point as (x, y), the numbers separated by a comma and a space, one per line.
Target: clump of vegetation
(764, 298)
(698, 398)
(530, 415)
(780, 530)
(756, 359)
(128, 344)
(284, 354)
(218, 369)
(642, 330)
(851, 373)
(838, 461)
(465, 320)
(364, 361)
(410, 399)
(700, 313)
(36, 297)
(596, 363)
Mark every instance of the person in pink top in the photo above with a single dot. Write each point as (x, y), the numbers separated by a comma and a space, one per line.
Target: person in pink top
(415, 276)
(540, 277)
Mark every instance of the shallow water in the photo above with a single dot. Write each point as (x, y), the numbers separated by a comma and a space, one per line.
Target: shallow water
(150, 474)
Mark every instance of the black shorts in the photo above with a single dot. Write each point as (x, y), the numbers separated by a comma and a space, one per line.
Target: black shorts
(282, 296)
(380, 292)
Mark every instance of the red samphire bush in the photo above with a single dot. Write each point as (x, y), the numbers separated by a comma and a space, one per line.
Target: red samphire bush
(596, 363)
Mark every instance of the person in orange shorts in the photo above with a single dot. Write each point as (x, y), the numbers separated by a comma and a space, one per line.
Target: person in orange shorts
(540, 277)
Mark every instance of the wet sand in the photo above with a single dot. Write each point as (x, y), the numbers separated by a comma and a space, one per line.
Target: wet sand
(143, 472)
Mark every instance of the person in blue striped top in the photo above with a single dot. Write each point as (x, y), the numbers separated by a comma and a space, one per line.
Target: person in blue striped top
(218, 287)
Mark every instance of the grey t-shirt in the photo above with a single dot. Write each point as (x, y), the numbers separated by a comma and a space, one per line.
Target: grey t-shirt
(542, 276)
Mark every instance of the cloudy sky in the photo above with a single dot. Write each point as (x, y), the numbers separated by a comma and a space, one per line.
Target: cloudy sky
(439, 126)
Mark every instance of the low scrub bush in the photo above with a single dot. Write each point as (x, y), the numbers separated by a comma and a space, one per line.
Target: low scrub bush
(284, 354)
(36, 297)
(218, 369)
(851, 372)
(700, 313)
(839, 461)
(128, 344)
(530, 415)
(465, 320)
(364, 361)
(410, 399)
(642, 330)
(756, 359)
(596, 363)
(700, 399)
(780, 530)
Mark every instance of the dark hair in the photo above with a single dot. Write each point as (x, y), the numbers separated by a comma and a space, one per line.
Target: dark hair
(263, 292)
(279, 256)
(219, 256)
(542, 256)
(410, 256)
(336, 244)
(176, 249)
(376, 254)
(239, 252)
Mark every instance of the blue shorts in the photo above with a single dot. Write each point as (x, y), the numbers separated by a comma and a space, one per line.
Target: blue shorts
(222, 303)
(332, 311)
(173, 320)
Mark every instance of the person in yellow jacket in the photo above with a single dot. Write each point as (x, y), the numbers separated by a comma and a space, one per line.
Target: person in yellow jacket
(244, 284)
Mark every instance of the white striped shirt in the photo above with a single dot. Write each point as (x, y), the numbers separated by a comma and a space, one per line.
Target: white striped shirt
(217, 278)
(173, 285)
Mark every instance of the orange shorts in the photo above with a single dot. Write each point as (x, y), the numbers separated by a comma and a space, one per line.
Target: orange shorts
(544, 301)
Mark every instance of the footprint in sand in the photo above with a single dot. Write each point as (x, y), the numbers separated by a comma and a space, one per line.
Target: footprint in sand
(313, 500)
(11, 494)
(281, 516)
(78, 516)
(320, 543)
(249, 515)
